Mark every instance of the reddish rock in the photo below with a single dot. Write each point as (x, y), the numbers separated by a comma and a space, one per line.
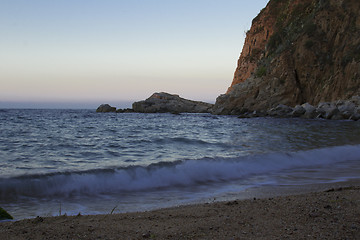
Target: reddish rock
(297, 52)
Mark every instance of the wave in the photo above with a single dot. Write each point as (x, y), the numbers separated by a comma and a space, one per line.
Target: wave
(181, 140)
(168, 174)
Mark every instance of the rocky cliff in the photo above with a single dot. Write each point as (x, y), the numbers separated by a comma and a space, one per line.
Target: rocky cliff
(297, 51)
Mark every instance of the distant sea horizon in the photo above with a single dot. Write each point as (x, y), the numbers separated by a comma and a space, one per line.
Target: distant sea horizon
(63, 104)
(93, 104)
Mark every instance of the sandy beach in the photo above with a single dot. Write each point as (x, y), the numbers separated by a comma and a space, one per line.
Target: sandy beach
(326, 214)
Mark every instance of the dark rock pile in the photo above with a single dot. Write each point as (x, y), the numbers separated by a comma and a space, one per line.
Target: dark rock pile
(104, 108)
(169, 103)
(162, 103)
(338, 110)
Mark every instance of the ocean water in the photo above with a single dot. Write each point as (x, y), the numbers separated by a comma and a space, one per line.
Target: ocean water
(56, 162)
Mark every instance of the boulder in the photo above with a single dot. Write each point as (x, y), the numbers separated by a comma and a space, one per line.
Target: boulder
(253, 114)
(355, 100)
(105, 108)
(126, 110)
(310, 111)
(356, 115)
(337, 116)
(280, 111)
(346, 108)
(168, 103)
(333, 113)
(298, 111)
(327, 110)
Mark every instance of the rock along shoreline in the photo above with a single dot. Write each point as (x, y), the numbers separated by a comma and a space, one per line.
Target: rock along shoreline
(336, 110)
(168, 103)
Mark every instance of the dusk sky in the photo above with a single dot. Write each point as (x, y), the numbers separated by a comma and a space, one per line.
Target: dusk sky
(81, 53)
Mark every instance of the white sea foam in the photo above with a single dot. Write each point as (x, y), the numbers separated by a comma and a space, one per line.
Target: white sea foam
(179, 174)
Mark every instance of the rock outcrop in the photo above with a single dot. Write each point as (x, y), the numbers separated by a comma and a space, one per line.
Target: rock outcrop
(296, 52)
(337, 110)
(105, 108)
(165, 102)
(125, 110)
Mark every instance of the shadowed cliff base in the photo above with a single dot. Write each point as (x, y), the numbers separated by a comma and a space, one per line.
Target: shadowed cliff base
(297, 52)
(337, 110)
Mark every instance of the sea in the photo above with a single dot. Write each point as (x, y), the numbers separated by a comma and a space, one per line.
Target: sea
(56, 162)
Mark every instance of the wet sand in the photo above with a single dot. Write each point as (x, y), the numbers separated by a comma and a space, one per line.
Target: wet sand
(326, 214)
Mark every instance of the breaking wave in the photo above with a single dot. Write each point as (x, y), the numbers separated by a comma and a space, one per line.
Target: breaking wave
(168, 174)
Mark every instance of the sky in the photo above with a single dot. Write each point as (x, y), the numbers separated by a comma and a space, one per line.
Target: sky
(82, 53)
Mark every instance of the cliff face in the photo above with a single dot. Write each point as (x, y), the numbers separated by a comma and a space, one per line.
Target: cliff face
(297, 51)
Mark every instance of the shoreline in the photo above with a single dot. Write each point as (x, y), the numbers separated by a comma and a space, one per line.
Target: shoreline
(326, 211)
